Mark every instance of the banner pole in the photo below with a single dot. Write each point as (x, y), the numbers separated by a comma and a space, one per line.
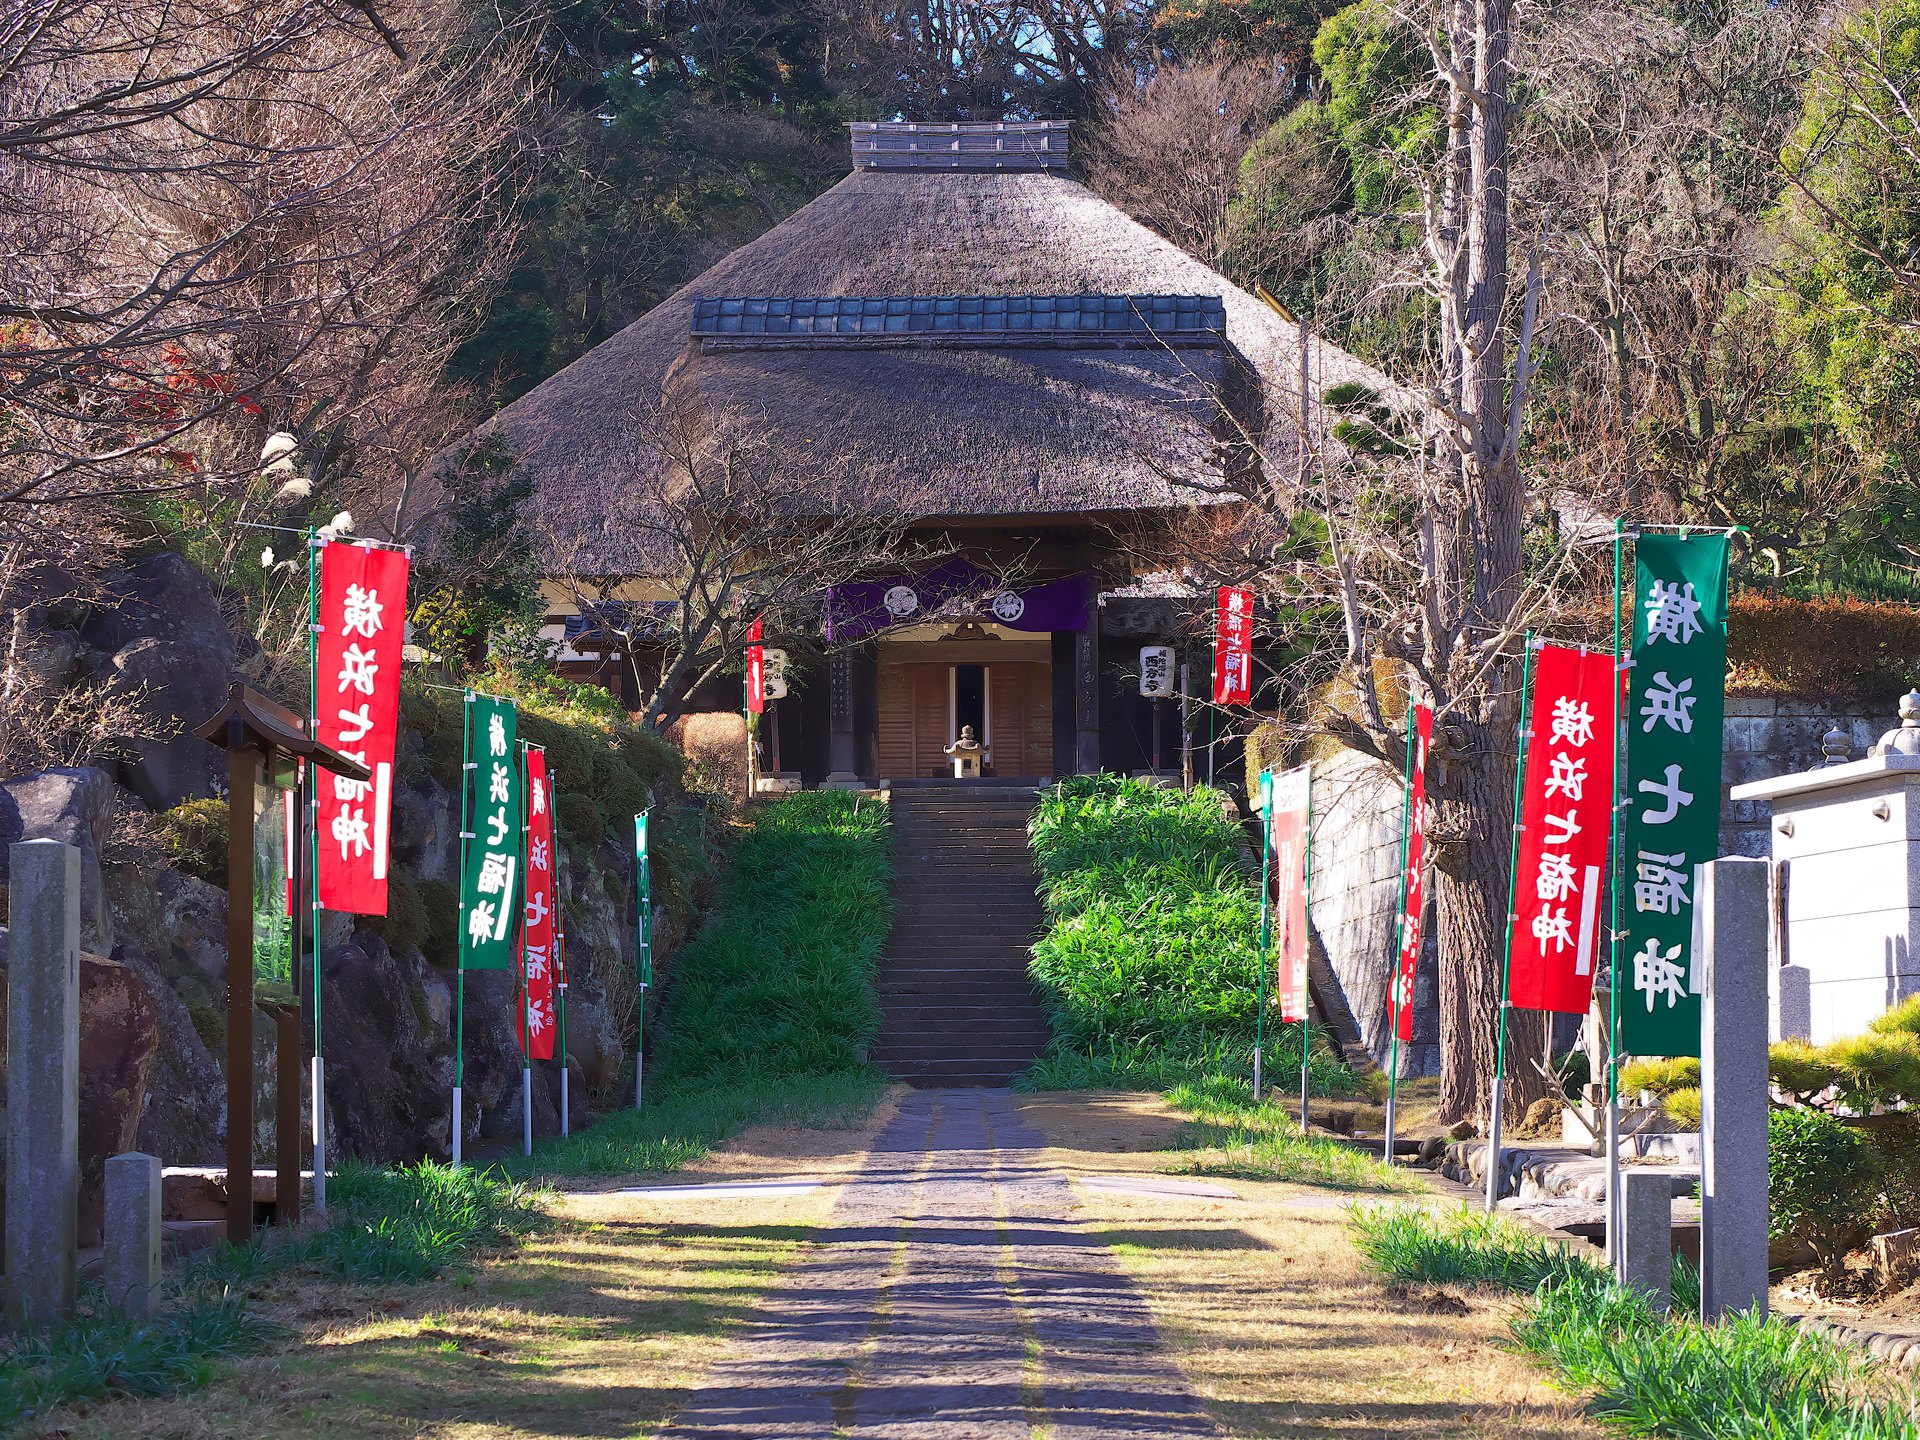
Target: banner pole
(460, 969)
(643, 951)
(1306, 940)
(1506, 963)
(526, 990)
(1394, 1001)
(1266, 928)
(560, 1004)
(1621, 739)
(317, 1082)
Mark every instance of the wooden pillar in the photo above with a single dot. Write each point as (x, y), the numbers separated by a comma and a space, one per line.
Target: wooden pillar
(1086, 696)
(243, 774)
(843, 762)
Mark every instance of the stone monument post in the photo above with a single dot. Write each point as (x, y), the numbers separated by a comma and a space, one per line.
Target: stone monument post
(1647, 1265)
(132, 1253)
(43, 1081)
(1730, 942)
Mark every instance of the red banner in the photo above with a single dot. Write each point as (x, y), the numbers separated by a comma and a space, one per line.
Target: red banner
(1414, 886)
(1233, 647)
(356, 706)
(1287, 817)
(537, 935)
(1566, 811)
(756, 671)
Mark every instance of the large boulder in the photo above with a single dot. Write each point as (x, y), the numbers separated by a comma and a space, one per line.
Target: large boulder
(166, 687)
(177, 922)
(75, 806)
(185, 1120)
(388, 1032)
(165, 598)
(119, 1039)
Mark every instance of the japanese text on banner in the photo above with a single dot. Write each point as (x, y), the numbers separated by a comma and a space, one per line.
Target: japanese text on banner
(1675, 699)
(490, 881)
(1233, 647)
(356, 709)
(756, 677)
(539, 959)
(1287, 816)
(1566, 812)
(1414, 884)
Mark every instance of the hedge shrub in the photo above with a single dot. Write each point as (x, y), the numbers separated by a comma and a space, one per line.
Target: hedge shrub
(1822, 1179)
(1855, 649)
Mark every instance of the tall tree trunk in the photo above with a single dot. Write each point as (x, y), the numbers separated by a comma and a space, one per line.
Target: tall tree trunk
(1472, 901)
(1471, 879)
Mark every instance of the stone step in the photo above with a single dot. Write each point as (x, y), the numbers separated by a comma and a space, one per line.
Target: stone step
(934, 1014)
(1001, 1038)
(944, 1075)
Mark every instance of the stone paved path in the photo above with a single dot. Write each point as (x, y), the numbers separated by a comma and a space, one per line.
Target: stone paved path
(952, 1297)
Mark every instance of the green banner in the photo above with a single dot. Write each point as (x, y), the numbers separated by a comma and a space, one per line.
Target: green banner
(643, 909)
(1676, 695)
(490, 878)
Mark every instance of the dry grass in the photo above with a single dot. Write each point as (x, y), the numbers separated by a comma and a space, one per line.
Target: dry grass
(1270, 1313)
(600, 1327)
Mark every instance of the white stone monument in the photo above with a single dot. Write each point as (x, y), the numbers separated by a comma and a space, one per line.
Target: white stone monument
(1849, 837)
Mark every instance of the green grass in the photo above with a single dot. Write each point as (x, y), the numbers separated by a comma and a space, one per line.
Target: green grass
(1150, 965)
(779, 983)
(1745, 1378)
(388, 1225)
(1461, 1246)
(686, 1125)
(1231, 1136)
(102, 1353)
(770, 1006)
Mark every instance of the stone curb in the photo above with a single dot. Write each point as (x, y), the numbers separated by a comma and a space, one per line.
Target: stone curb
(1900, 1350)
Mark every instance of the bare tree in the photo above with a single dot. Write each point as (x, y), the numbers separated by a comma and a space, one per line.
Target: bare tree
(726, 527)
(1168, 151)
(223, 222)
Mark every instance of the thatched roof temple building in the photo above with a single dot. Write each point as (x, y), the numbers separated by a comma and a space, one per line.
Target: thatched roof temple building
(961, 327)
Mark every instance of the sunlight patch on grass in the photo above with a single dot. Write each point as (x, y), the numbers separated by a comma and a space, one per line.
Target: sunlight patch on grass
(1232, 1137)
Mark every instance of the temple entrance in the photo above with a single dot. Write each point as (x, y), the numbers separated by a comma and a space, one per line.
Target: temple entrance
(930, 689)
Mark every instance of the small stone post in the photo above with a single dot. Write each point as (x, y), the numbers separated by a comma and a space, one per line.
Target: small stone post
(43, 1081)
(1730, 935)
(132, 1259)
(1648, 1267)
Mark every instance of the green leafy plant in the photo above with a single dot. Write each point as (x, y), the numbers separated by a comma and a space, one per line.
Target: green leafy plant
(1742, 1378)
(1149, 967)
(1822, 1178)
(194, 836)
(1660, 1076)
(779, 983)
(103, 1353)
(1458, 1247)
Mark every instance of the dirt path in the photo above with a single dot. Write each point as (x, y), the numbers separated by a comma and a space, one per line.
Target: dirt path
(952, 1294)
(967, 1265)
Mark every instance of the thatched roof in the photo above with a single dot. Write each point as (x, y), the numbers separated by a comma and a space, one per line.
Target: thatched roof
(1032, 431)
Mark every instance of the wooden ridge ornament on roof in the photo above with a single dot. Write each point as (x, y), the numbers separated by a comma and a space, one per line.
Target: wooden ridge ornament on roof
(1064, 321)
(965, 145)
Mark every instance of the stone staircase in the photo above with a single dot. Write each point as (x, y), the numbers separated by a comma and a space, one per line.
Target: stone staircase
(960, 1009)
